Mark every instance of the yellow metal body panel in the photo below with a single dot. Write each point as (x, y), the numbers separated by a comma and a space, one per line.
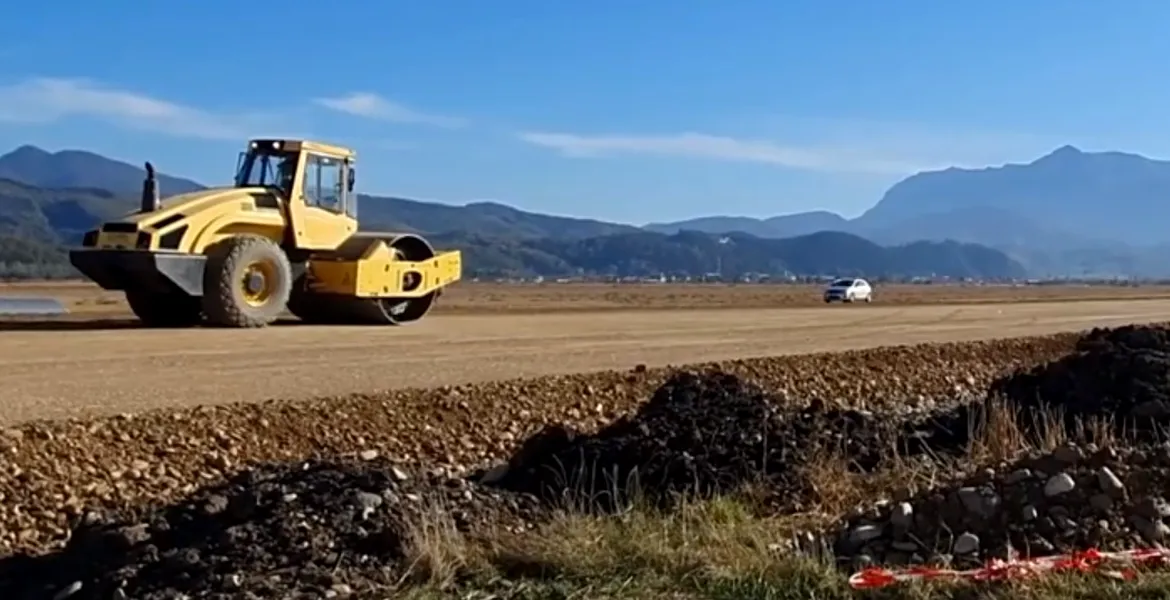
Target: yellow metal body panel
(379, 274)
(319, 229)
(201, 219)
(267, 224)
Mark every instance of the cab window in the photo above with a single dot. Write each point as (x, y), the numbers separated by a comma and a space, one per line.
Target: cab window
(323, 183)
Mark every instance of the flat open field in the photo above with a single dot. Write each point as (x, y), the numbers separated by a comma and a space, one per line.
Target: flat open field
(494, 298)
(82, 369)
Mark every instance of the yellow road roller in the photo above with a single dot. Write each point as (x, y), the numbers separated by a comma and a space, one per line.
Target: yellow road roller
(284, 236)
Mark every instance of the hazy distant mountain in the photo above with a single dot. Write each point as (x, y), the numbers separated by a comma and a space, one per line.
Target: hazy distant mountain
(1068, 212)
(1105, 195)
(775, 227)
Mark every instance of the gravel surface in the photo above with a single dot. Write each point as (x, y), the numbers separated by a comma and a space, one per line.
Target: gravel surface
(53, 471)
(68, 374)
(469, 297)
(1072, 499)
(298, 530)
(237, 501)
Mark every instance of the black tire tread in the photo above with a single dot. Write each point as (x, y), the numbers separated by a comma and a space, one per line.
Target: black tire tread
(224, 261)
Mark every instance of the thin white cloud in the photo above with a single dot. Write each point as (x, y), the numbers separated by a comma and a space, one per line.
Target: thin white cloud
(817, 144)
(713, 147)
(373, 106)
(47, 100)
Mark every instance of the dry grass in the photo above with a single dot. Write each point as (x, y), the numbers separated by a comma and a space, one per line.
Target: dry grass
(733, 547)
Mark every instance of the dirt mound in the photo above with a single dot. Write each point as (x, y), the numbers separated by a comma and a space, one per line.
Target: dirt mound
(708, 433)
(288, 530)
(1072, 499)
(1122, 374)
(52, 470)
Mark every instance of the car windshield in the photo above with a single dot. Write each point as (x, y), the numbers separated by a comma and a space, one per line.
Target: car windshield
(842, 283)
(273, 169)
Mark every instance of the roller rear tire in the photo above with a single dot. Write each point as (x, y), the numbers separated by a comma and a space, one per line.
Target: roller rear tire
(247, 282)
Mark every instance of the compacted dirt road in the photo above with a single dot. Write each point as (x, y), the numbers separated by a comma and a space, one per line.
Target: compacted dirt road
(85, 369)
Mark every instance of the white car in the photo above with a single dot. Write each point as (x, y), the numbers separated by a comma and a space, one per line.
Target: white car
(849, 290)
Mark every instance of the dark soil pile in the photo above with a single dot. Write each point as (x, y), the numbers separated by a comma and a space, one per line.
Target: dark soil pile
(711, 432)
(1075, 498)
(706, 433)
(1122, 374)
(302, 530)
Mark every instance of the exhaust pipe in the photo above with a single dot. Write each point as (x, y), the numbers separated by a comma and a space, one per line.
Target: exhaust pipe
(150, 197)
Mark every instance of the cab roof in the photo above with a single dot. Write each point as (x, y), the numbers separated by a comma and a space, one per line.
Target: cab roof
(304, 145)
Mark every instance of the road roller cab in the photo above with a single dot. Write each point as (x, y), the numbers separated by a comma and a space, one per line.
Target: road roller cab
(284, 235)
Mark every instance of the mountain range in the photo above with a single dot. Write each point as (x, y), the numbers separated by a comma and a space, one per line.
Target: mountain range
(1067, 213)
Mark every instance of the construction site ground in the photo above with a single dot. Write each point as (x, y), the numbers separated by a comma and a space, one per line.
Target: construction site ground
(85, 299)
(95, 366)
(159, 418)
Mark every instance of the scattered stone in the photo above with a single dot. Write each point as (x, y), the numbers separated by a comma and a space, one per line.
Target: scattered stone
(865, 533)
(902, 516)
(1109, 482)
(1077, 509)
(968, 543)
(308, 522)
(469, 426)
(1059, 484)
(308, 526)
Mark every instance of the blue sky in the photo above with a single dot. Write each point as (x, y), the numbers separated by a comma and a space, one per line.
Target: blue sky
(632, 111)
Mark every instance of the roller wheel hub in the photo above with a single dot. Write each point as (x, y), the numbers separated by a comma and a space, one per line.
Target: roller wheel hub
(254, 282)
(258, 279)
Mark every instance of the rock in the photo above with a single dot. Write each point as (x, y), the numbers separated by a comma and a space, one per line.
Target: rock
(1101, 502)
(1069, 455)
(1018, 476)
(215, 505)
(864, 533)
(967, 543)
(332, 525)
(982, 502)
(68, 591)
(902, 515)
(1109, 482)
(1152, 508)
(1151, 531)
(495, 474)
(367, 502)
(1061, 483)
